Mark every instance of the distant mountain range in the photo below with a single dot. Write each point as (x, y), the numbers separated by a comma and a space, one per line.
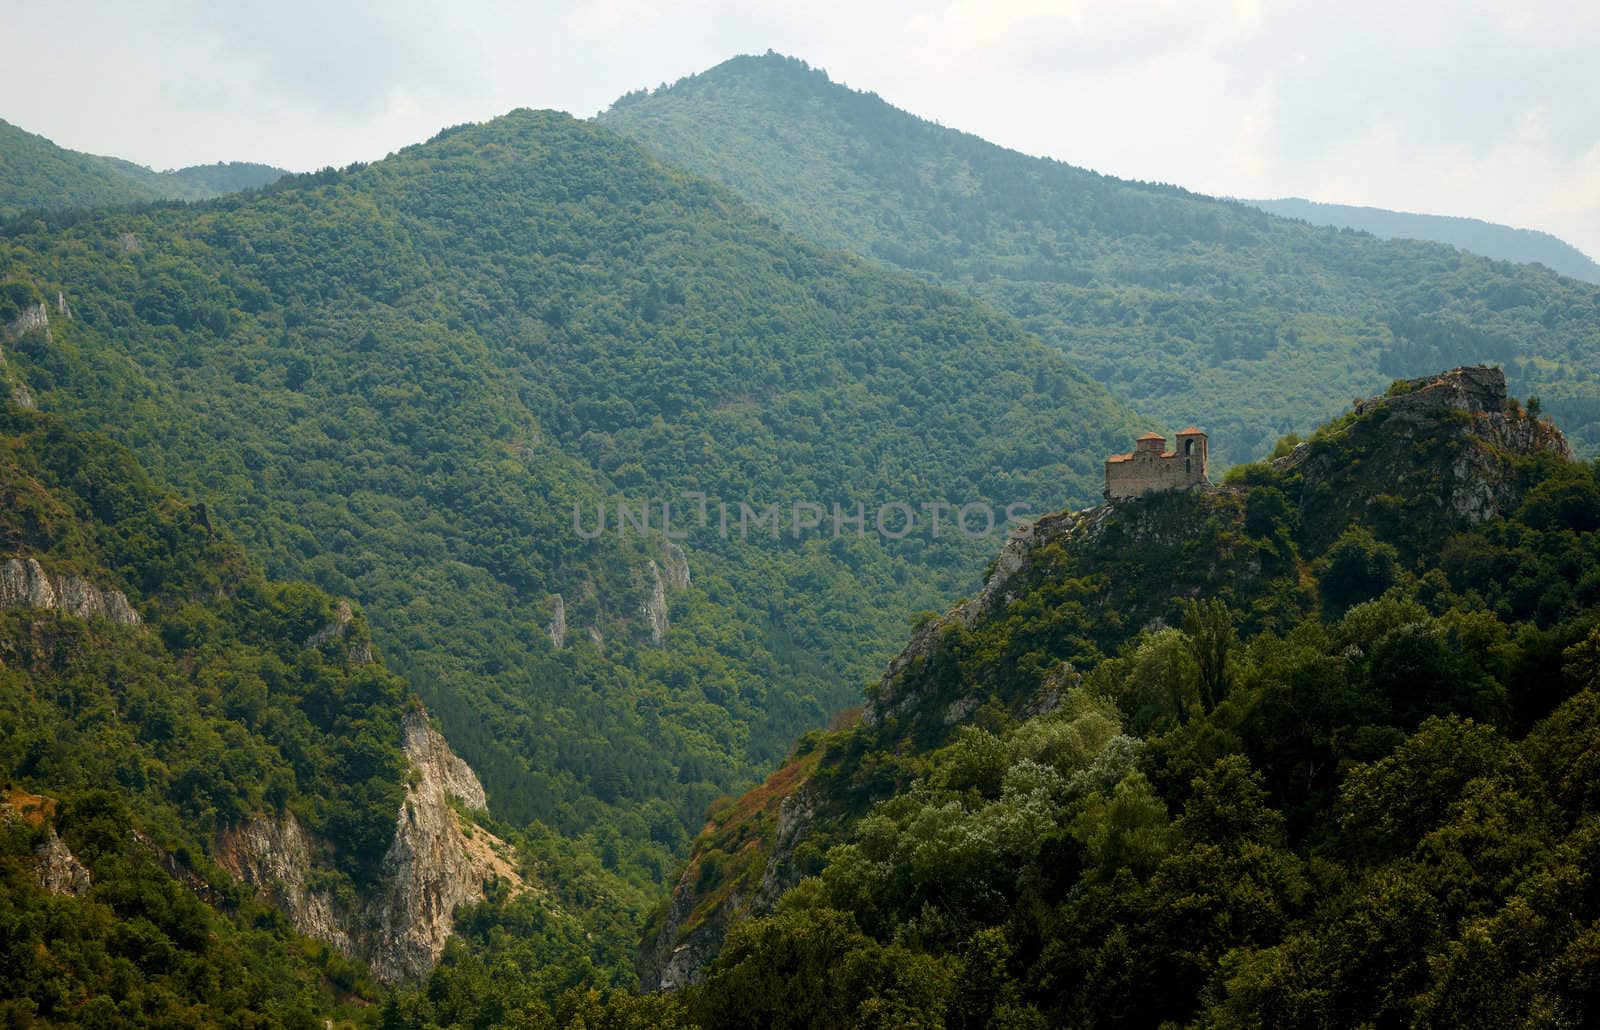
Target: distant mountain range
(1192, 309)
(1501, 242)
(35, 174)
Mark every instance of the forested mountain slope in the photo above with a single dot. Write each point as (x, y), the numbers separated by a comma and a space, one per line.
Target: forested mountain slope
(156, 694)
(1193, 310)
(1314, 748)
(400, 380)
(35, 174)
(1501, 242)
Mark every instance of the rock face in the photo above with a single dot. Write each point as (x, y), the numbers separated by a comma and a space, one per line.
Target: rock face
(337, 628)
(677, 567)
(1447, 440)
(558, 622)
(428, 870)
(25, 584)
(55, 867)
(275, 856)
(34, 317)
(654, 608)
(432, 866)
(58, 870)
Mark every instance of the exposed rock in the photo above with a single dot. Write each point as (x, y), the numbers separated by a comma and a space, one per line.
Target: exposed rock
(1458, 429)
(22, 397)
(341, 619)
(57, 869)
(677, 954)
(597, 638)
(61, 305)
(677, 567)
(191, 881)
(431, 867)
(129, 243)
(338, 628)
(25, 584)
(558, 622)
(889, 699)
(33, 317)
(654, 608)
(428, 870)
(276, 856)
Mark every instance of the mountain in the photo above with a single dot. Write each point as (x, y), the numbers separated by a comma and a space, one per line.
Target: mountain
(1501, 242)
(1192, 310)
(415, 383)
(215, 802)
(1312, 748)
(37, 175)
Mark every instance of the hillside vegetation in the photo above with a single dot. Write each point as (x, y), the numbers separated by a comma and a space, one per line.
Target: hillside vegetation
(37, 175)
(1500, 242)
(140, 730)
(1193, 310)
(397, 381)
(1315, 749)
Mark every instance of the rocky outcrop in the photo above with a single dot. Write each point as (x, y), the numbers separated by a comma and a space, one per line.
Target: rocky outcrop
(677, 567)
(433, 866)
(25, 584)
(1447, 443)
(334, 628)
(57, 869)
(276, 856)
(689, 933)
(34, 317)
(895, 693)
(428, 870)
(337, 628)
(558, 622)
(654, 608)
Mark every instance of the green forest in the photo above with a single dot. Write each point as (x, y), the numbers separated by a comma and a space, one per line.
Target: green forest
(396, 382)
(37, 175)
(297, 470)
(1497, 241)
(1306, 761)
(209, 709)
(1190, 309)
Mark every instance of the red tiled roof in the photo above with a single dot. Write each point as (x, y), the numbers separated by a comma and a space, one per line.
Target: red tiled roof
(1192, 431)
(1152, 436)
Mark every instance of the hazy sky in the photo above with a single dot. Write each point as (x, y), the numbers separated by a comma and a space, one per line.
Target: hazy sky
(1490, 110)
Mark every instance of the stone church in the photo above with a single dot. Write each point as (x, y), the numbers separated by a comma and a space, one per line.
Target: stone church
(1152, 467)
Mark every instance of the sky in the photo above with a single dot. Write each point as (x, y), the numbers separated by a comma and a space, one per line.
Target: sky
(1487, 110)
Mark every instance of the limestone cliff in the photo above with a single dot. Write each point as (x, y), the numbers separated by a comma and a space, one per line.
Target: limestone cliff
(25, 584)
(58, 869)
(55, 868)
(654, 607)
(557, 629)
(433, 865)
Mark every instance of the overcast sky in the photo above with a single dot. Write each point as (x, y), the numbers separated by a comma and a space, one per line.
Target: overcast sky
(1490, 110)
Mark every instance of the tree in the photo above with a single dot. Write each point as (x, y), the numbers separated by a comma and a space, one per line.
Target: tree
(1208, 628)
